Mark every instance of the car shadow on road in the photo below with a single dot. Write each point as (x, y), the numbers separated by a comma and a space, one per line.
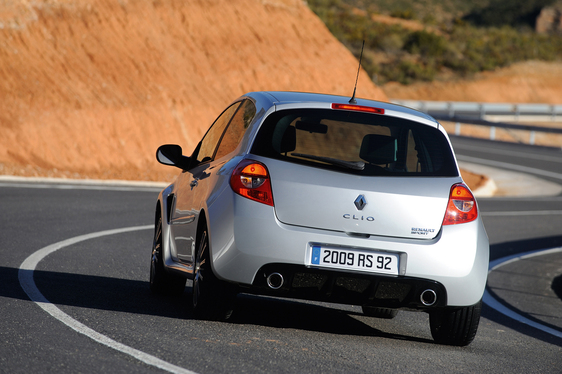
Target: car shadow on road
(314, 316)
(99, 292)
(134, 296)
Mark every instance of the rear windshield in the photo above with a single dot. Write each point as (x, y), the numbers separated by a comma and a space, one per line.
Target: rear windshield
(357, 143)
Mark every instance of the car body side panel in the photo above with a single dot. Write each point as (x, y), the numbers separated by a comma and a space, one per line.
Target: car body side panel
(183, 217)
(171, 263)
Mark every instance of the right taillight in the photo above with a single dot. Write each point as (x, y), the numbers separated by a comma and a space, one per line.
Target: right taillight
(461, 207)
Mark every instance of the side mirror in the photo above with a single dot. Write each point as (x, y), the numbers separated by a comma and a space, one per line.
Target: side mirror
(171, 154)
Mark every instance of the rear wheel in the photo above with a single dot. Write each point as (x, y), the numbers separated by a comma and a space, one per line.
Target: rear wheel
(385, 313)
(162, 282)
(455, 326)
(213, 299)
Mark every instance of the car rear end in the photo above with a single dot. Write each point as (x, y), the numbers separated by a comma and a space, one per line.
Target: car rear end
(359, 204)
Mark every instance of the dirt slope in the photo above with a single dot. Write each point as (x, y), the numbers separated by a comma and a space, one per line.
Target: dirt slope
(526, 82)
(90, 88)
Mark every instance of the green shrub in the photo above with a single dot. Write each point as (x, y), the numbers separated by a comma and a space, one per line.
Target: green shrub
(404, 14)
(410, 56)
(425, 44)
(407, 72)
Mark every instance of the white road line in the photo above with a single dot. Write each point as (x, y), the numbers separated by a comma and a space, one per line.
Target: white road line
(81, 187)
(505, 165)
(79, 184)
(495, 304)
(70, 186)
(25, 275)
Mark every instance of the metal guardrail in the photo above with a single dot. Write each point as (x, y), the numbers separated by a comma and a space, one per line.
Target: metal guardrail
(491, 114)
(482, 110)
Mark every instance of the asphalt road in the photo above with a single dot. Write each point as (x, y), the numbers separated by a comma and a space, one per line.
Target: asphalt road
(98, 285)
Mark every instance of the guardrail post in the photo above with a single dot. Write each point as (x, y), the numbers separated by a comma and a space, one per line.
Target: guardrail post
(458, 128)
(452, 110)
(553, 113)
(493, 133)
(482, 111)
(532, 138)
(516, 110)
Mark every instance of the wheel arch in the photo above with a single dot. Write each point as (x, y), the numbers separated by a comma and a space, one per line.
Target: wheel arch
(157, 212)
(202, 223)
(164, 204)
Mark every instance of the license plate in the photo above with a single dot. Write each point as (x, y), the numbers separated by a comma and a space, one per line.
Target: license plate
(355, 259)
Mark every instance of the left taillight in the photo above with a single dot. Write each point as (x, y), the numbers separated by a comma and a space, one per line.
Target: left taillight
(461, 207)
(250, 179)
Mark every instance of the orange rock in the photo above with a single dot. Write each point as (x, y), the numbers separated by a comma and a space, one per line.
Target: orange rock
(90, 88)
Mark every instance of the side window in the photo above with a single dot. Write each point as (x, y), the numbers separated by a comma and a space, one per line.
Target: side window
(214, 134)
(237, 128)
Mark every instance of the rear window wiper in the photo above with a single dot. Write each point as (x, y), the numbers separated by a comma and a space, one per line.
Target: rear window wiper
(355, 165)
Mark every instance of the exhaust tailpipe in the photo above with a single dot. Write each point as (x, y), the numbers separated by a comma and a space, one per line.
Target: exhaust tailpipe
(428, 297)
(275, 281)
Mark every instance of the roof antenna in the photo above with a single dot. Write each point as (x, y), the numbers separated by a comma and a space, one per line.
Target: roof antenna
(352, 100)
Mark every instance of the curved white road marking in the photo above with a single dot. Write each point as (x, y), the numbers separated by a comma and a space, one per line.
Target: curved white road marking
(504, 152)
(505, 165)
(495, 304)
(25, 275)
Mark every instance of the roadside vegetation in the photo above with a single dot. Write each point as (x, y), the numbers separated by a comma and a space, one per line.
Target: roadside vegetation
(438, 39)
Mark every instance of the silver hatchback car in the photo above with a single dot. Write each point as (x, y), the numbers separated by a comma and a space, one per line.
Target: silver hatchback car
(323, 198)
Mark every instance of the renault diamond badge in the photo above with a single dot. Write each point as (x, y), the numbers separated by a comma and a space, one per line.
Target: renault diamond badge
(360, 202)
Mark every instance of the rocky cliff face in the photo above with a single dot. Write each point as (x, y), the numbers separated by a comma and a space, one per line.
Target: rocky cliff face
(90, 88)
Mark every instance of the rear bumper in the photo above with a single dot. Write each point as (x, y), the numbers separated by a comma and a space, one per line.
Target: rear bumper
(247, 241)
(300, 282)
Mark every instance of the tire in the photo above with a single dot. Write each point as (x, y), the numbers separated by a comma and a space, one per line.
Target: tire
(384, 313)
(455, 326)
(162, 282)
(213, 299)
